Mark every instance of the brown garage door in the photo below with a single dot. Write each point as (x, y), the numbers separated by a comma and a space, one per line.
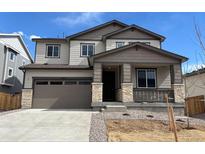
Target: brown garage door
(62, 94)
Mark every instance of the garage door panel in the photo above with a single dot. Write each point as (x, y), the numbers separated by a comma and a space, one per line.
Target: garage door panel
(62, 96)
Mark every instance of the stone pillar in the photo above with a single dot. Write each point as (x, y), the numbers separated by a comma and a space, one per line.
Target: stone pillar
(97, 92)
(26, 99)
(127, 85)
(179, 92)
(127, 92)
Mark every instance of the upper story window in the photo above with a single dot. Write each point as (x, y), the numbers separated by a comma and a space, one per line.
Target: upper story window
(10, 72)
(147, 43)
(11, 56)
(87, 49)
(53, 51)
(119, 44)
(146, 78)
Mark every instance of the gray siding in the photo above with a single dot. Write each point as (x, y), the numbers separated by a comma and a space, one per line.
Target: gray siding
(97, 76)
(132, 34)
(17, 79)
(126, 73)
(1, 62)
(163, 77)
(97, 34)
(138, 55)
(176, 74)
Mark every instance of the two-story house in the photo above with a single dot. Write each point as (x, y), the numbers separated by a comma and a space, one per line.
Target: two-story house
(13, 54)
(112, 63)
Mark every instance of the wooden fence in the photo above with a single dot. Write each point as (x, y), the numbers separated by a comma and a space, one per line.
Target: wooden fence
(194, 105)
(10, 102)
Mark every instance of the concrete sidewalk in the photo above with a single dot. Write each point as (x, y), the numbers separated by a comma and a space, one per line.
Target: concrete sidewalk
(45, 125)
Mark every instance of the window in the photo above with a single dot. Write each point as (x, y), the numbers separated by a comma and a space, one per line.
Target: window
(87, 49)
(53, 51)
(23, 62)
(42, 83)
(10, 72)
(12, 56)
(84, 83)
(56, 82)
(146, 78)
(70, 82)
(119, 44)
(147, 43)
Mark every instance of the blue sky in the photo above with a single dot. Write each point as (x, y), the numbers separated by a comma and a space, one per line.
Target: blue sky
(178, 28)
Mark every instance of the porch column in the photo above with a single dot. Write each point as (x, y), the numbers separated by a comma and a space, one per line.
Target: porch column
(177, 83)
(127, 85)
(97, 85)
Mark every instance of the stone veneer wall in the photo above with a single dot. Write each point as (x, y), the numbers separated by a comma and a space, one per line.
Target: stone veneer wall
(27, 97)
(127, 92)
(179, 92)
(97, 92)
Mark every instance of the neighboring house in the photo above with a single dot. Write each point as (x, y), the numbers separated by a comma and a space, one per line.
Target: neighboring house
(13, 54)
(107, 64)
(195, 83)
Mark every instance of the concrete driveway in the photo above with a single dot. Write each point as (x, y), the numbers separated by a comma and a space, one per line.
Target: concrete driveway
(45, 125)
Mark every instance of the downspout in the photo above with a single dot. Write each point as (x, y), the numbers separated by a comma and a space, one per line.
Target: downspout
(24, 72)
(5, 64)
(14, 75)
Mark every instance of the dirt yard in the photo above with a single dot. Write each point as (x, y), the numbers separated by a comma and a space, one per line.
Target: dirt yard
(151, 131)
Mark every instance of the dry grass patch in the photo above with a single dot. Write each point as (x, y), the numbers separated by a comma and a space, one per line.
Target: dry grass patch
(151, 131)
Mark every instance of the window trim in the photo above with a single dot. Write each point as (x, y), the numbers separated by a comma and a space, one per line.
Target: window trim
(14, 56)
(46, 55)
(137, 85)
(81, 47)
(119, 42)
(10, 68)
(144, 42)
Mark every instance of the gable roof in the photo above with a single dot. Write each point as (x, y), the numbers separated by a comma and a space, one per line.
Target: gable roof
(162, 38)
(21, 41)
(97, 27)
(158, 50)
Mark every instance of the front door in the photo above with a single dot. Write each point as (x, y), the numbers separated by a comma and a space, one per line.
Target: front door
(108, 86)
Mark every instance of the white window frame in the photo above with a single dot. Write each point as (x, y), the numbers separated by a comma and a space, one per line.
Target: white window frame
(145, 69)
(53, 45)
(14, 56)
(9, 68)
(123, 43)
(86, 44)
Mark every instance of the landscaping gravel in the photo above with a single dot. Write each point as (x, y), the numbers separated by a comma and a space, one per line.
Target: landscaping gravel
(98, 128)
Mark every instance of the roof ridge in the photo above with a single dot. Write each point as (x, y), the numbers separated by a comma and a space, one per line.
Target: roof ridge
(96, 27)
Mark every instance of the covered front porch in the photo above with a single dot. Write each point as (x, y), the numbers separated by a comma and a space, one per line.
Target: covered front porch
(136, 74)
(131, 83)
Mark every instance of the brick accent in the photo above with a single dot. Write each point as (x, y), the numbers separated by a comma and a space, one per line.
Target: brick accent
(27, 97)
